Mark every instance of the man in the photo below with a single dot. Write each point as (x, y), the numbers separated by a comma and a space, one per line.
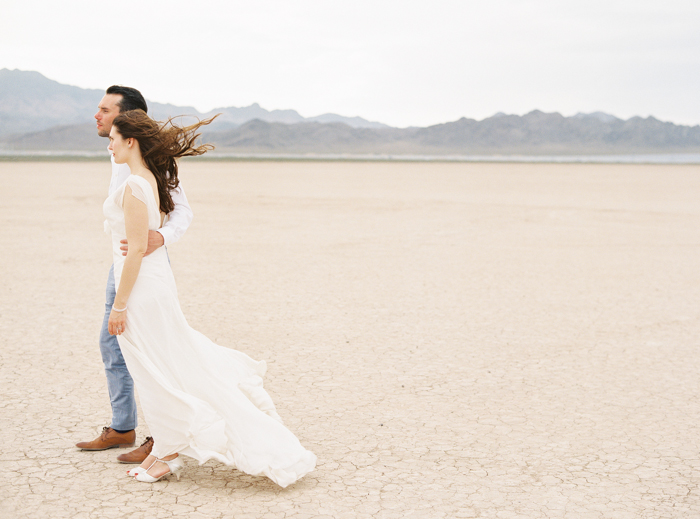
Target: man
(121, 432)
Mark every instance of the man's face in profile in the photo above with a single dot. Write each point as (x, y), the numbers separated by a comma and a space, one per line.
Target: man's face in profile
(107, 110)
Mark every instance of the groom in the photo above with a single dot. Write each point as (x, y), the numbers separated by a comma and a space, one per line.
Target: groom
(120, 432)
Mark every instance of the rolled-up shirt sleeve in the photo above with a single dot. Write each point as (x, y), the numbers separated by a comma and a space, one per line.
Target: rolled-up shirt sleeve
(179, 218)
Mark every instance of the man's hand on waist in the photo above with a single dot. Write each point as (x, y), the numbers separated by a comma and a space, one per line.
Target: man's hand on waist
(155, 241)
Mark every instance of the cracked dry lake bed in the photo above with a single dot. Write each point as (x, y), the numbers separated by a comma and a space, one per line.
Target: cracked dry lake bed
(451, 340)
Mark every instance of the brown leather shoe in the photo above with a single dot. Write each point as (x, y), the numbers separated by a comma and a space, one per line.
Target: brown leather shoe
(138, 454)
(108, 440)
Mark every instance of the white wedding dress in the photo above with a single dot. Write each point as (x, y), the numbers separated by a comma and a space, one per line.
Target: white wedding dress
(199, 399)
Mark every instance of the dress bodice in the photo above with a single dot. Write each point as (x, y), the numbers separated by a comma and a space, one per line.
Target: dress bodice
(113, 208)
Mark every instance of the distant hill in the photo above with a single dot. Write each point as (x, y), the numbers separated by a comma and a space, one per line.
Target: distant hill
(39, 114)
(309, 137)
(551, 133)
(72, 137)
(535, 133)
(30, 102)
(232, 117)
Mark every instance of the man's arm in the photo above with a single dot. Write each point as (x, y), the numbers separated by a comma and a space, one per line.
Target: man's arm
(174, 228)
(179, 218)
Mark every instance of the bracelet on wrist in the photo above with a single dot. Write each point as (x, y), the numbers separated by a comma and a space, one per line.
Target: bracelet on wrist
(118, 309)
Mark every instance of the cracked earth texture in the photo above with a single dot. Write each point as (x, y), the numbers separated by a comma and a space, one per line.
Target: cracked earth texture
(452, 340)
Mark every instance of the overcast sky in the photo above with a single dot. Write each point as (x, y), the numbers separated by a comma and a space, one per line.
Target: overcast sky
(401, 62)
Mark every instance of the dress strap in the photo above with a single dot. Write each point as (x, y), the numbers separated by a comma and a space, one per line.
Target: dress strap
(140, 188)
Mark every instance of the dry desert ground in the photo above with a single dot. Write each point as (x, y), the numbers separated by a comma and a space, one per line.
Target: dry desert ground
(451, 340)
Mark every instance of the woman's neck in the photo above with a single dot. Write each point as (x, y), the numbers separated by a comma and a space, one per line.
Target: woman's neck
(137, 166)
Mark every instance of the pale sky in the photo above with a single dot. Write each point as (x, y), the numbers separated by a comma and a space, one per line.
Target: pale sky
(401, 62)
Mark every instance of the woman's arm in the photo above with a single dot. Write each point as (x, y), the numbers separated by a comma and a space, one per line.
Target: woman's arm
(136, 223)
(178, 221)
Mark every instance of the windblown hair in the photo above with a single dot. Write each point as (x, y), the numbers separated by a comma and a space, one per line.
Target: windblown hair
(161, 144)
(131, 99)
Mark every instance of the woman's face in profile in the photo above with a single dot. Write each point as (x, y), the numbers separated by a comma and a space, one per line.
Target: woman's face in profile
(118, 146)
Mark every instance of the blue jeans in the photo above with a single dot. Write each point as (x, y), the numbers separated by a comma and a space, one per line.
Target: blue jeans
(119, 381)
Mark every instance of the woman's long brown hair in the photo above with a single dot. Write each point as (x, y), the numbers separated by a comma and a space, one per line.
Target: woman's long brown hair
(160, 145)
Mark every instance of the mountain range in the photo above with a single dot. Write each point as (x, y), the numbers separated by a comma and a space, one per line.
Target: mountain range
(39, 114)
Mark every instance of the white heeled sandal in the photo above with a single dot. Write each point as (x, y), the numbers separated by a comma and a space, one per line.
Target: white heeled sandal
(175, 465)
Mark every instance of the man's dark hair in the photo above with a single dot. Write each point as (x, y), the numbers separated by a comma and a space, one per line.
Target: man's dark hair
(131, 98)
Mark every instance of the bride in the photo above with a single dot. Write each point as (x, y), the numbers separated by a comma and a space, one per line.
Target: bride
(199, 399)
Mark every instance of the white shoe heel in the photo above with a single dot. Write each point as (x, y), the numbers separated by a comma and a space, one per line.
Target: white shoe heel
(174, 466)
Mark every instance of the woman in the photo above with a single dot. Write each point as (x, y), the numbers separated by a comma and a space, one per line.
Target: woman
(199, 399)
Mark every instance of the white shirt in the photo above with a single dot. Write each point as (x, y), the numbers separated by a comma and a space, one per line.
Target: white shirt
(179, 219)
